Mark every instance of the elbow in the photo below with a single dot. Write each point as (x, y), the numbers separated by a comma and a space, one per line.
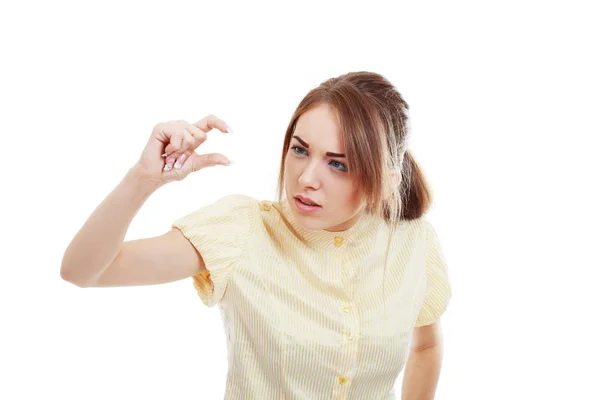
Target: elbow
(66, 270)
(70, 272)
(67, 275)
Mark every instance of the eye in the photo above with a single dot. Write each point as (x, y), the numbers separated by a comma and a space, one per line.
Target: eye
(297, 150)
(339, 166)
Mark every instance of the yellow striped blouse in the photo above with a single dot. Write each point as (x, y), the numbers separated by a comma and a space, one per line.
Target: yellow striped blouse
(313, 314)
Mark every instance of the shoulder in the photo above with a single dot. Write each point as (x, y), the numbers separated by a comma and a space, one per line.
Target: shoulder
(408, 236)
(421, 227)
(245, 210)
(411, 230)
(235, 203)
(422, 223)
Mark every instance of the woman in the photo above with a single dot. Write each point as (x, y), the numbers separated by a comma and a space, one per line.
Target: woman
(321, 291)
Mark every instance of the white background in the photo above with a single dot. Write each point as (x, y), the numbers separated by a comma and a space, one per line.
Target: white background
(504, 106)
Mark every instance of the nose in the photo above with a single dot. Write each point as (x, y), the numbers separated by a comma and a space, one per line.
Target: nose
(309, 177)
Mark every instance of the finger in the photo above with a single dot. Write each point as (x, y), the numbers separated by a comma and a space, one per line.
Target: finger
(162, 132)
(187, 148)
(211, 122)
(169, 164)
(175, 163)
(186, 144)
(180, 160)
(198, 135)
(208, 160)
(175, 144)
(192, 138)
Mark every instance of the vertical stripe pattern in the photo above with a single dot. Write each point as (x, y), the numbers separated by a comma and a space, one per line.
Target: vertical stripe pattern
(312, 314)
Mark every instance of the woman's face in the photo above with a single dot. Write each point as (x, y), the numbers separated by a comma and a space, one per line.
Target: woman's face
(316, 169)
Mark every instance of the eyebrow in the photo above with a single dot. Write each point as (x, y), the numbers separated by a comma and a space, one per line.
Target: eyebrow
(330, 154)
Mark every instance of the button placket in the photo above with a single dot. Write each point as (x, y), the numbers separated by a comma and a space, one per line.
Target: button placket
(338, 241)
(348, 348)
(348, 344)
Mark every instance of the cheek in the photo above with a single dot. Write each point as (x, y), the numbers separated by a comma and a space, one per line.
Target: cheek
(289, 174)
(292, 167)
(340, 189)
(352, 196)
(288, 167)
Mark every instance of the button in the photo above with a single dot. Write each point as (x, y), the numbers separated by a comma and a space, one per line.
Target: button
(265, 205)
(343, 379)
(347, 309)
(350, 336)
(338, 240)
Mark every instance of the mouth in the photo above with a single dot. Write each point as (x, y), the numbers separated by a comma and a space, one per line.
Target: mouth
(306, 204)
(307, 200)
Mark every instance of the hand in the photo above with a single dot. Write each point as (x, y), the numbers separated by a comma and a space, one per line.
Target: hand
(173, 144)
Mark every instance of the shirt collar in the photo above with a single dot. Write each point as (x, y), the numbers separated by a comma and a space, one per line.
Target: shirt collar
(364, 228)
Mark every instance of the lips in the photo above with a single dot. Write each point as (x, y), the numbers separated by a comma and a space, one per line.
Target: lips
(307, 200)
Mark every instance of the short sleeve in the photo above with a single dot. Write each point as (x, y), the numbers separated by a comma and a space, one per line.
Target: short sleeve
(438, 292)
(221, 233)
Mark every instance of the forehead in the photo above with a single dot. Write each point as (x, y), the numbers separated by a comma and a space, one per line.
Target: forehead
(319, 128)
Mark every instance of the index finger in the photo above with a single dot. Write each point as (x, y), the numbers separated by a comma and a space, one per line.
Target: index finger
(211, 122)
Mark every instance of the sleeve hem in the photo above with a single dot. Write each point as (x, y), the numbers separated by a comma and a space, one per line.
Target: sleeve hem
(438, 290)
(208, 296)
(220, 262)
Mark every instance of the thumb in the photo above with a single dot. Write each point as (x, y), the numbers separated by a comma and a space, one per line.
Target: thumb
(200, 161)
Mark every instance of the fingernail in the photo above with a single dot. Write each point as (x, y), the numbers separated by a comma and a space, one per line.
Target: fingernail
(169, 165)
(231, 162)
(180, 161)
(229, 130)
(164, 155)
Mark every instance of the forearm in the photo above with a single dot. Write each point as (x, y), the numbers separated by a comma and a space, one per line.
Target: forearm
(422, 373)
(99, 241)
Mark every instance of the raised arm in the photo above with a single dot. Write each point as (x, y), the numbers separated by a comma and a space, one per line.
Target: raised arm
(97, 255)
